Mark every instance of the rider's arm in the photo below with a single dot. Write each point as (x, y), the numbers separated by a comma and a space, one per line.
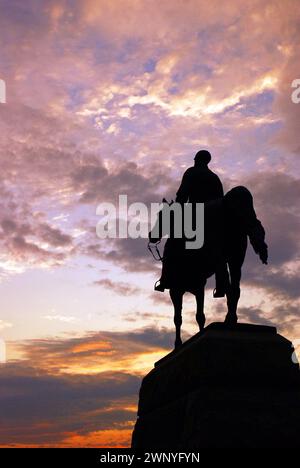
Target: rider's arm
(219, 192)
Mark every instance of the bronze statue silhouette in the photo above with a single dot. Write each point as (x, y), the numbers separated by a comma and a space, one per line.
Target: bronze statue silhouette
(228, 222)
(199, 185)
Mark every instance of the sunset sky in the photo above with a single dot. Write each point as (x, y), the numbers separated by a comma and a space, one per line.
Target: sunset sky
(116, 97)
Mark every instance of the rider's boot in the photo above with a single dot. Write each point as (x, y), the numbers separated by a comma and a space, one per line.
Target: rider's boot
(159, 286)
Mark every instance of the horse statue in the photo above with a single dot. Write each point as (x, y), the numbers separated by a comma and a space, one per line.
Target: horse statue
(228, 223)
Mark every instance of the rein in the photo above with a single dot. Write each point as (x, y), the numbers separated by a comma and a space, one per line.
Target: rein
(156, 253)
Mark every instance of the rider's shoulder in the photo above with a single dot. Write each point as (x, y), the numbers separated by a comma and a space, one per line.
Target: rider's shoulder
(213, 174)
(189, 171)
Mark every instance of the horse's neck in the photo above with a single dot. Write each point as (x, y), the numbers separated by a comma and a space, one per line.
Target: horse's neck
(214, 208)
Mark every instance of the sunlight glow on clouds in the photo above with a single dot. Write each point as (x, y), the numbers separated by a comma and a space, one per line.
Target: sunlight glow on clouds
(116, 97)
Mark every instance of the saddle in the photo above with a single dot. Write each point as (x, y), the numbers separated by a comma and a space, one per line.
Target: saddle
(189, 268)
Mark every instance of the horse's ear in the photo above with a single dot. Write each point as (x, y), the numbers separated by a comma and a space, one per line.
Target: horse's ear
(164, 200)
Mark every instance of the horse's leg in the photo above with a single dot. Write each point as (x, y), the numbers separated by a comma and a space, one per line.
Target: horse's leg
(176, 296)
(200, 316)
(233, 293)
(236, 256)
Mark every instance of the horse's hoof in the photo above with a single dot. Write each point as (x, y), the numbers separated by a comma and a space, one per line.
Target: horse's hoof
(201, 321)
(231, 319)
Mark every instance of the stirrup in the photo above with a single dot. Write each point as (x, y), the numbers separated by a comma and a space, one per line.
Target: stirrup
(158, 286)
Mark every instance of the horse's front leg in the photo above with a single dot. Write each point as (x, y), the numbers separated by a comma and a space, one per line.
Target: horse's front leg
(200, 316)
(176, 297)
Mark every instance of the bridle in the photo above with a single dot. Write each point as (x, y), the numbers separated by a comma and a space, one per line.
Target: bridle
(155, 253)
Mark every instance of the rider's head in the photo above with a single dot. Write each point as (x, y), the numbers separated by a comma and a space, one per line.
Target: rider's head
(202, 157)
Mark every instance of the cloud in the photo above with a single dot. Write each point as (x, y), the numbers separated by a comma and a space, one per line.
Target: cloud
(284, 316)
(42, 409)
(97, 351)
(61, 318)
(78, 390)
(159, 298)
(274, 200)
(33, 241)
(136, 316)
(4, 324)
(116, 97)
(134, 103)
(131, 254)
(122, 288)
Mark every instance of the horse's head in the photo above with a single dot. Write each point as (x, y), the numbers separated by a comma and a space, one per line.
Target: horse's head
(156, 233)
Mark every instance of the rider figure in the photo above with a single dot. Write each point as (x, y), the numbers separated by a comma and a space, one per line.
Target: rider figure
(199, 185)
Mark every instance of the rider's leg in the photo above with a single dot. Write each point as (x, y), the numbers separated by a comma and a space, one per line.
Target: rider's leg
(176, 297)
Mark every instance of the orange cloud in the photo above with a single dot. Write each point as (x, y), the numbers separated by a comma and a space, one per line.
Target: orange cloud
(92, 353)
(117, 438)
(116, 97)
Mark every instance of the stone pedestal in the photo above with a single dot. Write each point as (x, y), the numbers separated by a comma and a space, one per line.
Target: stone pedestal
(225, 387)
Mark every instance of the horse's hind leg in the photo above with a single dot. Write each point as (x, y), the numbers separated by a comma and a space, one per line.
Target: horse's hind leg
(233, 293)
(200, 316)
(176, 296)
(237, 249)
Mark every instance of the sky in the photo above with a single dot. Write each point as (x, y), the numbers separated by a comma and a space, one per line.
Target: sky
(108, 98)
